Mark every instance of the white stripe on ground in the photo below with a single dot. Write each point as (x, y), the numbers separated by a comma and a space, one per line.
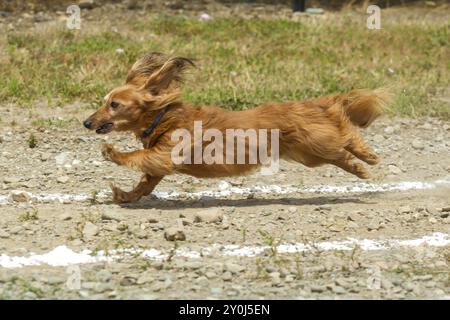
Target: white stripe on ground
(63, 256)
(225, 189)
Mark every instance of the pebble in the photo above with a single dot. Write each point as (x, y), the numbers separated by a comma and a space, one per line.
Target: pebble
(324, 207)
(128, 281)
(202, 281)
(20, 196)
(338, 290)
(389, 130)
(62, 158)
(62, 179)
(378, 138)
(16, 230)
(11, 180)
(146, 277)
(234, 268)
(216, 291)
(292, 209)
(418, 144)
(213, 215)
(227, 276)
(4, 234)
(405, 209)
(65, 216)
(30, 295)
(174, 234)
(116, 216)
(394, 169)
(103, 275)
(317, 288)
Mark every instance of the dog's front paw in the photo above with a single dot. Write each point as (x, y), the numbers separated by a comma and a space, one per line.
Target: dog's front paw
(119, 196)
(108, 152)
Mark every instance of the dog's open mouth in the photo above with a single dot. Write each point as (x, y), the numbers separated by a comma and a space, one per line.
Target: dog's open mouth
(104, 128)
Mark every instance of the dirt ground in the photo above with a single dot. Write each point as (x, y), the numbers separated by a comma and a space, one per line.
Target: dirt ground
(66, 162)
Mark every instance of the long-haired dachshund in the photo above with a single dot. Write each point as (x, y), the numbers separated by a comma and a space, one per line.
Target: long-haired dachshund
(315, 132)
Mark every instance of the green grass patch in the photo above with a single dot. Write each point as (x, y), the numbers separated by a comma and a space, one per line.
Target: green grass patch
(241, 62)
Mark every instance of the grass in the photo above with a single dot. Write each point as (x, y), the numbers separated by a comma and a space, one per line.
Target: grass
(28, 215)
(32, 141)
(241, 62)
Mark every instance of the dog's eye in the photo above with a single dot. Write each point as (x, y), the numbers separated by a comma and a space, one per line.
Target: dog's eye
(114, 104)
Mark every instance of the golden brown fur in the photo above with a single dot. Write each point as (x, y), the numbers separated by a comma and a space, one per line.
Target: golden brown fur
(314, 132)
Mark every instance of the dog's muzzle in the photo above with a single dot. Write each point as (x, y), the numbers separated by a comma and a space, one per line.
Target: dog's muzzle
(104, 128)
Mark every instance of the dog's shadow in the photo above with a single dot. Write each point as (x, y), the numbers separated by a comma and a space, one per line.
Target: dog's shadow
(207, 202)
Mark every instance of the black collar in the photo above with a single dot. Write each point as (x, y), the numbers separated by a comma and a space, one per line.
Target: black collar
(154, 124)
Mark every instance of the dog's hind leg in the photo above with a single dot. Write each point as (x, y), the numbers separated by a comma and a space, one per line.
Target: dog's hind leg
(358, 147)
(345, 162)
(144, 188)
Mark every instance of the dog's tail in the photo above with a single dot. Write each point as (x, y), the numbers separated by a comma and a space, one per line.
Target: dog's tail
(363, 106)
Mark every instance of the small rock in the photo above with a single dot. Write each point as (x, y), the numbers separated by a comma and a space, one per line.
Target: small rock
(90, 230)
(62, 159)
(234, 268)
(432, 220)
(324, 207)
(210, 216)
(103, 275)
(65, 216)
(16, 229)
(116, 216)
(146, 277)
(405, 209)
(174, 234)
(389, 130)
(62, 179)
(204, 17)
(338, 290)
(227, 276)
(317, 288)
(4, 234)
(386, 284)
(418, 144)
(30, 295)
(193, 265)
(122, 226)
(216, 291)
(202, 281)
(394, 169)
(378, 138)
(373, 225)
(128, 281)
(87, 4)
(11, 180)
(103, 287)
(292, 209)
(20, 196)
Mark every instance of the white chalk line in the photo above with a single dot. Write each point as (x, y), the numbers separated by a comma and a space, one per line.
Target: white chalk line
(64, 256)
(224, 189)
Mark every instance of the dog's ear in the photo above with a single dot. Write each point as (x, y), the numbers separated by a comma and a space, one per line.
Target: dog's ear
(145, 67)
(171, 72)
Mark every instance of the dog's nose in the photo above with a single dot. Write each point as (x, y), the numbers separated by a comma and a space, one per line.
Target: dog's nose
(87, 124)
